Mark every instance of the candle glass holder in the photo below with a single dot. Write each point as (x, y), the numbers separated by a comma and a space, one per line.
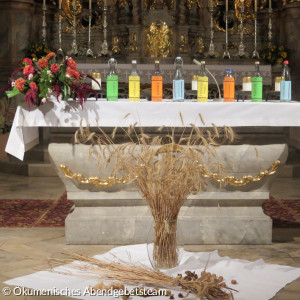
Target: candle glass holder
(89, 52)
(60, 51)
(74, 47)
(270, 12)
(104, 47)
(242, 52)
(255, 54)
(226, 53)
(212, 49)
(44, 26)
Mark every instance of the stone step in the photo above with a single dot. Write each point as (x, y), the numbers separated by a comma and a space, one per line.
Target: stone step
(32, 169)
(41, 170)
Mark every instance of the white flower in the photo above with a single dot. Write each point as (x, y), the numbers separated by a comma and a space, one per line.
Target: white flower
(44, 100)
(13, 83)
(30, 76)
(68, 75)
(48, 72)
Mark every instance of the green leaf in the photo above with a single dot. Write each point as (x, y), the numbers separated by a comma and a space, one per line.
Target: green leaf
(13, 92)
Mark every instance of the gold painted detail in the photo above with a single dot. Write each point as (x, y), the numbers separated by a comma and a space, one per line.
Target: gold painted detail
(240, 181)
(103, 183)
(231, 180)
(158, 40)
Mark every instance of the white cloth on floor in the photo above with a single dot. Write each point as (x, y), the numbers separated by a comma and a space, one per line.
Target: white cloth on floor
(256, 280)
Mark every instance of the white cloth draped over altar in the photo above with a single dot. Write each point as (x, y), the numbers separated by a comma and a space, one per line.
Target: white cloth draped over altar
(24, 134)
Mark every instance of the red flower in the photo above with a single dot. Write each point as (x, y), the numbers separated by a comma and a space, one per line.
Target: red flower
(50, 55)
(73, 73)
(28, 69)
(72, 63)
(20, 84)
(27, 61)
(54, 68)
(33, 86)
(43, 63)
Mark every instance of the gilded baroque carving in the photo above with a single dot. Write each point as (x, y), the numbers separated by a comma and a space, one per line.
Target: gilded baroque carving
(158, 40)
(81, 16)
(116, 45)
(193, 3)
(158, 4)
(132, 46)
(183, 46)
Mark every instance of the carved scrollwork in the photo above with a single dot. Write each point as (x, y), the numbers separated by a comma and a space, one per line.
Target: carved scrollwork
(81, 16)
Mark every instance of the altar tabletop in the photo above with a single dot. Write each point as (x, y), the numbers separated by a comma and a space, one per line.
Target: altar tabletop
(24, 134)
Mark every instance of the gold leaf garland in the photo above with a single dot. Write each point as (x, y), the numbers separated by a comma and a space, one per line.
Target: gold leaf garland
(92, 180)
(232, 180)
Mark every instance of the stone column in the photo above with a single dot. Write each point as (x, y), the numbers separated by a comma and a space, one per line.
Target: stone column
(17, 33)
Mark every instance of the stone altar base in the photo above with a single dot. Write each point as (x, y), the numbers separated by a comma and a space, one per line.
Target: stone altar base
(118, 215)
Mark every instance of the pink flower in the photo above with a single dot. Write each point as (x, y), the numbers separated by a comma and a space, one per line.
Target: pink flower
(44, 100)
(27, 61)
(28, 69)
(54, 68)
(33, 86)
(20, 84)
(30, 76)
(50, 91)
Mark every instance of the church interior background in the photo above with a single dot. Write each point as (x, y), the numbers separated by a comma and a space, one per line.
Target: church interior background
(145, 31)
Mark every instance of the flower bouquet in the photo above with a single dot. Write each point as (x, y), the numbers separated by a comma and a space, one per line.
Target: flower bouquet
(46, 76)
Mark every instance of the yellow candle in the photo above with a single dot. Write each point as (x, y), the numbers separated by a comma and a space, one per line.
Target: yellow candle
(44, 3)
(226, 5)
(59, 4)
(270, 3)
(74, 4)
(255, 5)
(90, 4)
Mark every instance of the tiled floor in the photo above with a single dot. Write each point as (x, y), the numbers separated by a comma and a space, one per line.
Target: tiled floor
(24, 251)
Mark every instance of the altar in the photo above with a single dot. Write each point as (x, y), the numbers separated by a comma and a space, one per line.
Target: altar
(118, 215)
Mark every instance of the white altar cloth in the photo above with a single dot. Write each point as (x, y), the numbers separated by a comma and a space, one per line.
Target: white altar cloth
(256, 280)
(24, 133)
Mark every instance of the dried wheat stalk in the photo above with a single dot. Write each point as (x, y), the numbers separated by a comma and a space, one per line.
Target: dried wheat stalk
(165, 175)
(204, 286)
